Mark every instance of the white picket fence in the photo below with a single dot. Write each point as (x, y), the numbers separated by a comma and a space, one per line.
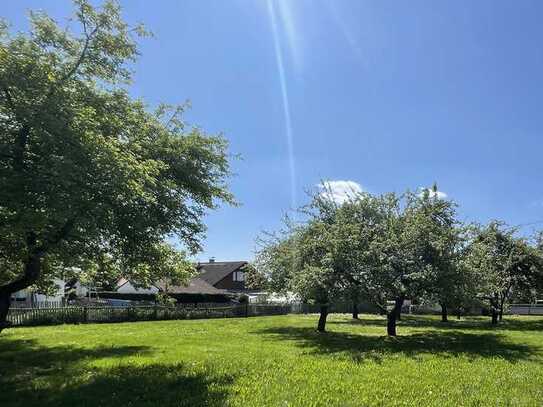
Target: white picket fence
(94, 314)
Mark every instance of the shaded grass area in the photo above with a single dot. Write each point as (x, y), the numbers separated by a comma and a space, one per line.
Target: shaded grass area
(510, 323)
(272, 361)
(64, 375)
(446, 344)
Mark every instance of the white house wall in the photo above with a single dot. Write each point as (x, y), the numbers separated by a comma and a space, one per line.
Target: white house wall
(128, 288)
(54, 297)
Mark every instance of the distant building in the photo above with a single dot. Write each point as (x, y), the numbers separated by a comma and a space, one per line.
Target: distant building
(126, 287)
(224, 275)
(196, 286)
(259, 297)
(74, 287)
(29, 298)
(213, 278)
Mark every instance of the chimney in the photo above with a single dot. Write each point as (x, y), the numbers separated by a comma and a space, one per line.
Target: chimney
(212, 259)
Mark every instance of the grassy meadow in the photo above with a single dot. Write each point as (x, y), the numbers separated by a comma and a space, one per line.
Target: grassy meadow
(275, 361)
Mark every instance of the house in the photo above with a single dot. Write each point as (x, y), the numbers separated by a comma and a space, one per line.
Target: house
(260, 297)
(224, 275)
(196, 286)
(28, 298)
(74, 288)
(213, 278)
(126, 287)
(196, 291)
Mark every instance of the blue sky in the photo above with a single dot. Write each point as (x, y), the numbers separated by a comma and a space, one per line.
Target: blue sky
(388, 95)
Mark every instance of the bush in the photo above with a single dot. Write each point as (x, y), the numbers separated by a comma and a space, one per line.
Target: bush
(165, 300)
(243, 299)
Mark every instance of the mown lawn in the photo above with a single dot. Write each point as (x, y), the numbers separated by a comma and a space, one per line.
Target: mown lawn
(274, 361)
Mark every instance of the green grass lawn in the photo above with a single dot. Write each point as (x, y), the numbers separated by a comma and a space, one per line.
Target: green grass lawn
(275, 361)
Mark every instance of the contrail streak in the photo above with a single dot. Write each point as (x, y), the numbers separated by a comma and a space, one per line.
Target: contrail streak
(347, 34)
(286, 105)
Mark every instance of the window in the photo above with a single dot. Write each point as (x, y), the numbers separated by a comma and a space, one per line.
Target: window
(239, 276)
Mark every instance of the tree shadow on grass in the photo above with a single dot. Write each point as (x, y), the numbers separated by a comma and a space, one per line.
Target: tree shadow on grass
(132, 385)
(24, 354)
(31, 375)
(480, 323)
(362, 348)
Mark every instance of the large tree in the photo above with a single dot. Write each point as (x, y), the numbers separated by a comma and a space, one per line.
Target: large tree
(407, 241)
(441, 245)
(504, 263)
(301, 259)
(334, 249)
(84, 168)
(384, 248)
(354, 228)
(254, 279)
(390, 271)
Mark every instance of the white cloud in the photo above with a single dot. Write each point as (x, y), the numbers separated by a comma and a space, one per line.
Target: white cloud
(339, 191)
(438, 194)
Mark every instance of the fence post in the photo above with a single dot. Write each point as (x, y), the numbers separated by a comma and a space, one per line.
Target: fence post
(85, 314)
(246, 309)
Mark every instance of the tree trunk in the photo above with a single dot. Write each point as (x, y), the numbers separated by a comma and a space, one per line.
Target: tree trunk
(394, 315)
(5, 302)
(32, 267)
(321, 327)
(503, 298)
(32, 271)
(444, 315)
(391, 323)
(494, 316)
(355, 310)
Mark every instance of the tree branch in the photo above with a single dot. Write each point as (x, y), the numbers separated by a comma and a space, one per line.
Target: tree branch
(60, 235)
(79, 61)
(72, 71)
(32, 267)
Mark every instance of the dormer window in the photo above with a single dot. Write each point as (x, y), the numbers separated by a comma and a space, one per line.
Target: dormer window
(239, 276)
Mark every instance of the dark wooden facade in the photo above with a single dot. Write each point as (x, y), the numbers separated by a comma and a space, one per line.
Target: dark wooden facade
(228, 283)
(227, 275)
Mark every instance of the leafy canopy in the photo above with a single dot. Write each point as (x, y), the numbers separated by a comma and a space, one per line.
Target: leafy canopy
(379, 247)
(503, 263)
(84, 168)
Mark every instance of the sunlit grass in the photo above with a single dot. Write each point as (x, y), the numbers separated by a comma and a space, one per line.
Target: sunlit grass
(274, 361)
